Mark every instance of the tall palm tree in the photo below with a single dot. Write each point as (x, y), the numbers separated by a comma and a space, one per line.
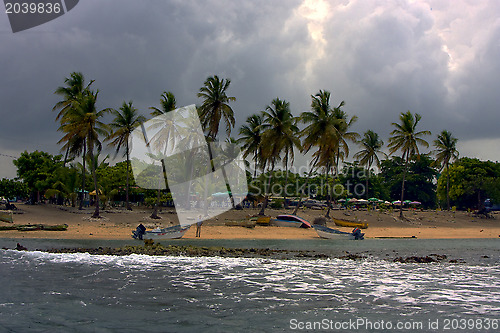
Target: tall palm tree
(406, 138)
(84, 122)
(72, 93)
(279, 135)
(328, 130)
(446, 151)
(215, 106)
(166, 134)
(370, 148)
(320, 132)
(251, 137)
(126, 120)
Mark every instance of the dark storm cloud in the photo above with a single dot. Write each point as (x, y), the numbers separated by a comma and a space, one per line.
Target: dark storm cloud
(381, 58)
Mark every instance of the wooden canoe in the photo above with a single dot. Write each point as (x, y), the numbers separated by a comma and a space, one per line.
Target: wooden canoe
(6, 217)
(244, 223)
(261, 220)
(350, 224)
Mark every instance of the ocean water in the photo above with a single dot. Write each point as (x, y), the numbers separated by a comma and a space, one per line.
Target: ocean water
(42, 292)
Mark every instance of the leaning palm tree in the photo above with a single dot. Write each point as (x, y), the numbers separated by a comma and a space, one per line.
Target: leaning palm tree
(126, 120)
(279, 135)
(72, 93)
(251, 137)
(446, 151)
(215, 106)
(406, 138)
(84, 122)
(370, 148)
(165, 135)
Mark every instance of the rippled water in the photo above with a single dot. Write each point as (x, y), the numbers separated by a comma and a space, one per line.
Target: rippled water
(81, 292)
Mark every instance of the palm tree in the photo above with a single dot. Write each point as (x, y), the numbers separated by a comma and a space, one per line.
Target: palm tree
(215, 106)
(328, 130)
(279, 135)
(83, 122)
(126, 120)
(343, 124)
(406, 138)
(370, 148)
(72, 93)
(320, 132)
(446, 151)
(251, 137)
(166, 134)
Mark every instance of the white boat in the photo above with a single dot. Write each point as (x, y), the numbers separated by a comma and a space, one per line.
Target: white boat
(329, 233)
(291, 221)
(174, 232)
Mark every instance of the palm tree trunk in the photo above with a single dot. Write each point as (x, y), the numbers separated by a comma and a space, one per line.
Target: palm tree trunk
(403, 189)
(96, 211)
(266, 198)
(447, 188)
(128, 181)
(82, 192)
(328, 199)
(285, 203)
(367, 177)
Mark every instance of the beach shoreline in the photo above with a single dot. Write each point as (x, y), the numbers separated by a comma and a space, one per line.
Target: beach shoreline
(119, 223)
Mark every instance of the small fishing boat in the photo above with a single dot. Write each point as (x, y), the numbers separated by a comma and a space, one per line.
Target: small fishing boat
(175, 232)
(261, 220)
(350, 224)
(291, 221)
(6, 217)
(329, 233)
(244, 223)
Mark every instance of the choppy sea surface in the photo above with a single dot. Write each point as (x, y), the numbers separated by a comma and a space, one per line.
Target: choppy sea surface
(42, 292)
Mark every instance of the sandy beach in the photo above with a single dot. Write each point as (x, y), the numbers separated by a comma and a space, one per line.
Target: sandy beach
(119, 223)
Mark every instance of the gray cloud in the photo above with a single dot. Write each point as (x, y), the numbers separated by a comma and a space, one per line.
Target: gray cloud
(440, 60)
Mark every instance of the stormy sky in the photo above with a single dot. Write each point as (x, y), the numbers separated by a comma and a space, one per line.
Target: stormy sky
(437, 58)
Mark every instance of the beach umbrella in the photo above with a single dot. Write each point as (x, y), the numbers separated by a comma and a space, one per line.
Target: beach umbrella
(415, 203)
(374, 199)
(362, 201)
(342, 200)
(407, 202)
(397, 202)
(387, 202)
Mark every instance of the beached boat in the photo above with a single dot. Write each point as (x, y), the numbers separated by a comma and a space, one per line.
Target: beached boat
(175, 232)
(329, 233)
(261, 220)
(291, 221)
(350, 224)
(6, 217)
(245, 223)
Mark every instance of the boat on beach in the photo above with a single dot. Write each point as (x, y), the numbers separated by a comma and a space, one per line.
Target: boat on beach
(291, 221)
(330, 233)
(175, 232)
(350, 224)
(6, 216)
(244, 223)
(261, 220)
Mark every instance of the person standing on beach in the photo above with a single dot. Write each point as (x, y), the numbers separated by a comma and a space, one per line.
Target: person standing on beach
(198, 226)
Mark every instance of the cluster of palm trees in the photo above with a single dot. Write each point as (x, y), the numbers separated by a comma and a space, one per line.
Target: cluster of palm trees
(273, 134)
(268, 138)
(83, 128)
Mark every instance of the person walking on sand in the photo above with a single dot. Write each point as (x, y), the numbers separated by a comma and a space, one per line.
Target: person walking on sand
(198, 226)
